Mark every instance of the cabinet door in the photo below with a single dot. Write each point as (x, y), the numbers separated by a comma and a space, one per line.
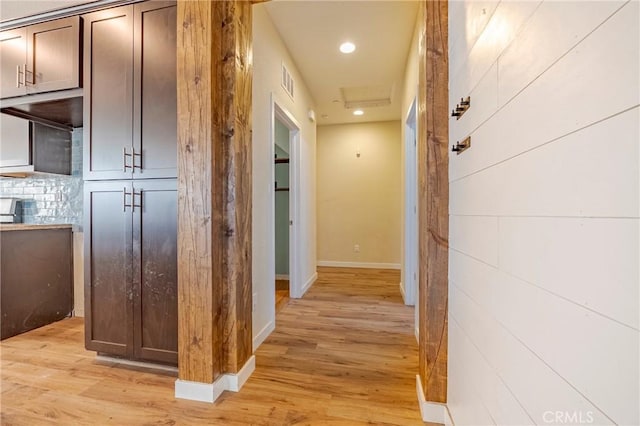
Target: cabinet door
(108, 94)
(53, 55)
(13, 57)
(108, 271)
(155, 94)
(155, 260)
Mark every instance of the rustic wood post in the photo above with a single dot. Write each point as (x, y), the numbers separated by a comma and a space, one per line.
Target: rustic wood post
(433, 175)
(214, 192)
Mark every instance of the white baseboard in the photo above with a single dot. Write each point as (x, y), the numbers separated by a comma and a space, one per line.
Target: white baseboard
(209, 392)
(433, 412)
(263, 334)
(402, 292)
(367, 265)
(237, 380)
(282, 277)
(309, 283)
(203, 392)
(448, 419)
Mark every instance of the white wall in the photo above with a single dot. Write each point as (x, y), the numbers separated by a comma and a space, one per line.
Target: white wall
(359, 195)
(409, 93)
(268, 54)
(544, 208)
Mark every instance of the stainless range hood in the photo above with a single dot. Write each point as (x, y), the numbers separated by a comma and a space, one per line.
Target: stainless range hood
(61, 110)
(10, 210)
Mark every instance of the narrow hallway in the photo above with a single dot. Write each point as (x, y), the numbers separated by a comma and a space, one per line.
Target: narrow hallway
(345, 354)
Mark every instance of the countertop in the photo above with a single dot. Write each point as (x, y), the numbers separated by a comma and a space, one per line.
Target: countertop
(32, 226)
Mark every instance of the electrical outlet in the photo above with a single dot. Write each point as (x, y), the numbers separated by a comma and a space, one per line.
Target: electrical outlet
(255, 302)
(356, 248)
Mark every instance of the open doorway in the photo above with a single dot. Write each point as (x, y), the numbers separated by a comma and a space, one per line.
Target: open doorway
(410, 229)
(281, 199)
(285, 140)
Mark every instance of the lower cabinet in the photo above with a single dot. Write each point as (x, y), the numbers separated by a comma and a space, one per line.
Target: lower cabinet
(131, 305)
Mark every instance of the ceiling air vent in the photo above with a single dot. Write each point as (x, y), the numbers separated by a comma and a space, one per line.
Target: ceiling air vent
(366, 96)
(287, 81)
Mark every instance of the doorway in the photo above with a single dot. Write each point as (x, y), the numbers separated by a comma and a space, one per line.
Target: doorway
(410, 258)
(281, 223)
(285, 139)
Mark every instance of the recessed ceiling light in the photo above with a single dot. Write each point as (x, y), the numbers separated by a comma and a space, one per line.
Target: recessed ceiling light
(358, 112)
(347, 47)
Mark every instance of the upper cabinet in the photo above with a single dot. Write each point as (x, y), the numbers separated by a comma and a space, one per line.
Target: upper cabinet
(130, 124)
(40, 58)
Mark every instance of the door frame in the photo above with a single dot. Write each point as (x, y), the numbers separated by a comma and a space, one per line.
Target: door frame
(410, 223)
(278, 111)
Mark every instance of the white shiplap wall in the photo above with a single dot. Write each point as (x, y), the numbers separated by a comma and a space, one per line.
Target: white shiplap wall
(544, 213)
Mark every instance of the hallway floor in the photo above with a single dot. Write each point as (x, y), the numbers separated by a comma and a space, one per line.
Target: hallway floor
(345, 354)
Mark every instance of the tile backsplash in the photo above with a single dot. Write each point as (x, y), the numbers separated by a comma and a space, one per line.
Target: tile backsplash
(49, 198)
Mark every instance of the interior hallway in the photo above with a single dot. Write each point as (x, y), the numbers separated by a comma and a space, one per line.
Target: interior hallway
(345, 354)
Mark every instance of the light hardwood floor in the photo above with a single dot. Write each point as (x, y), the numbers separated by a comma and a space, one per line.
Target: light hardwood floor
(345, 354)
(282, 294)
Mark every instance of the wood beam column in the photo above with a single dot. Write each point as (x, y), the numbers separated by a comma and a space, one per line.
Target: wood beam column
(433, 199)
(214, 189)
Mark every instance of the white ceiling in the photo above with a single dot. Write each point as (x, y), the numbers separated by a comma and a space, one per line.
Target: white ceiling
(312, 31)
(381, 30)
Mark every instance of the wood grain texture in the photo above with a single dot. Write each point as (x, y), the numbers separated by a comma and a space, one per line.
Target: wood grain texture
(282, 294)
(345, 354)
(214, 161)
(233, 165)
(198, 298)
(433, 164)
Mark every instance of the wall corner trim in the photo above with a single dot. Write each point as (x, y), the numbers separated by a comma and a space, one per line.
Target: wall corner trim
(263, 334)
(433, 412)
(237, 380)
(209, 392)
(307, 285)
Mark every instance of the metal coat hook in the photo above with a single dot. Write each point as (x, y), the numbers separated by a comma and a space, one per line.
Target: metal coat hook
(460, 147)
(461, 108)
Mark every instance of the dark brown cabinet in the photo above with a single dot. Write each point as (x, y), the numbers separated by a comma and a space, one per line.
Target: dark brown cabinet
(131, 269)
(130, 92)
(36, 277)
(40, 58)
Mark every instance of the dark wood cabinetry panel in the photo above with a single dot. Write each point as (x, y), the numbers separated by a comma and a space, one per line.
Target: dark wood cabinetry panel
(131, 269)
(130, 92)
(155, 100)
(13, 45)
(108, 93)
(130, 136)
(53, 53)
(155, 236)
(36, 278)
(40, 58)
(108, 248)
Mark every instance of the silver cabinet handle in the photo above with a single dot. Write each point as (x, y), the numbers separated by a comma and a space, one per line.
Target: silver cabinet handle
(133, 201)
(124, 199)
(125, 166)
(136, 154)
(24, 79)
(20, 72)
